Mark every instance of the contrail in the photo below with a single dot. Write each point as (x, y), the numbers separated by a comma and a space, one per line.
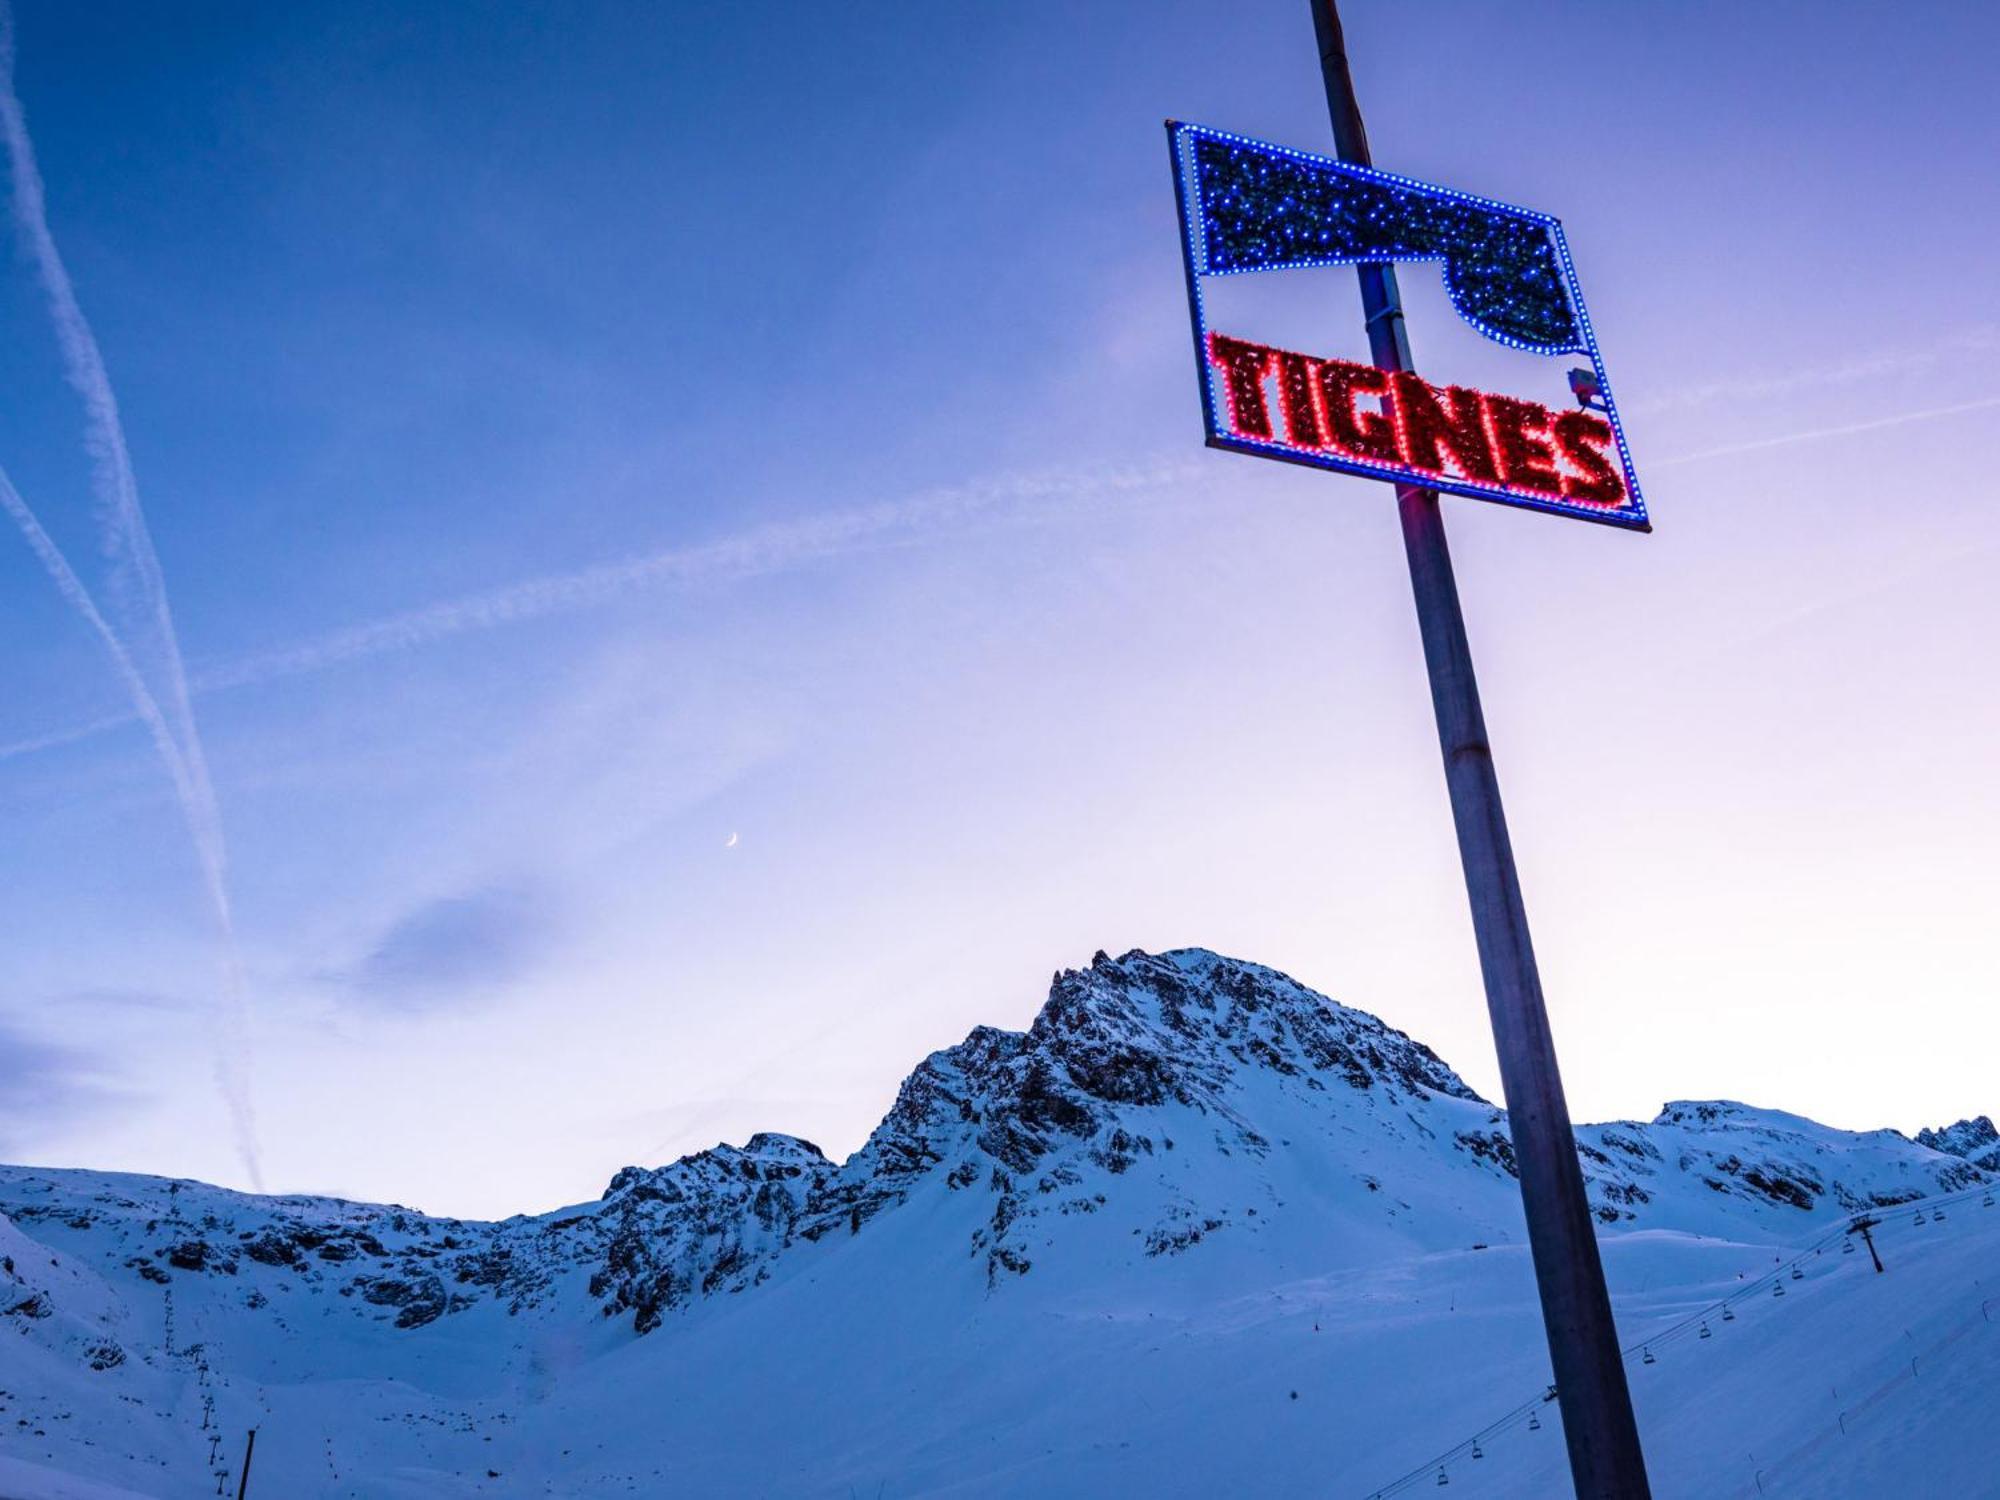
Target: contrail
(72, 589)
(1785, 440)
(750, 554)
(56, 738)
(136, 572)
(754, 553)
(763, 550)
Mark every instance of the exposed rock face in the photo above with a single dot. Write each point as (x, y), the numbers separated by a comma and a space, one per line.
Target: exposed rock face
(1973, 1140)
(1164, 1099)
(418, 1300)
(1116, 1046)
(709, 1223)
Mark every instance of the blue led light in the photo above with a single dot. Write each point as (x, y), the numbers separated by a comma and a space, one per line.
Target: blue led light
(1248, 206)
(1265, 210)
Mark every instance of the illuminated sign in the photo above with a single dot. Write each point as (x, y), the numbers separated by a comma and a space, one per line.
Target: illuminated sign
(1247, 207)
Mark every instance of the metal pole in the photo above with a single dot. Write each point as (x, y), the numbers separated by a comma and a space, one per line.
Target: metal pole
(1868, 1239)
(249, 1447)
(1604, 1455)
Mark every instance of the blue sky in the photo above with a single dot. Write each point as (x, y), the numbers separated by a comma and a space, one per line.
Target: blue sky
(575, 435)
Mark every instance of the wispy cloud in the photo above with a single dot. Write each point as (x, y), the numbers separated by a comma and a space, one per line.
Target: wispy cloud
(1851, 370)
(1818, 434)
(137, 585)
(45, 1087)
(453, 948)
(753, 553)
(132, 1002)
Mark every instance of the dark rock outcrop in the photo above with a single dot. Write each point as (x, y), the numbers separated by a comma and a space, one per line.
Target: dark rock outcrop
(1974, 1140)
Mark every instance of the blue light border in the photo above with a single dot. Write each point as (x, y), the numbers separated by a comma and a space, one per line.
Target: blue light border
(1180, 136)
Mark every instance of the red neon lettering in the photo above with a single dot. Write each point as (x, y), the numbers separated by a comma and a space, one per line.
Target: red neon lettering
(1295, 400)
(1434, 428)
(1365, 434)
(1521, 442)
(1245, 365)
(1585, 441)
(1448, 432)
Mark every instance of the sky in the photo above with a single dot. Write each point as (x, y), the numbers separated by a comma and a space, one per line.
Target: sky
(699, 580)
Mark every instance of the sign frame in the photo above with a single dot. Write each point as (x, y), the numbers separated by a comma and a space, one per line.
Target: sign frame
(1182, 139)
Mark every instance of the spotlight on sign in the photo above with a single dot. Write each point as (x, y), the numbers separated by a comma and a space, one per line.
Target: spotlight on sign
(1498, 414)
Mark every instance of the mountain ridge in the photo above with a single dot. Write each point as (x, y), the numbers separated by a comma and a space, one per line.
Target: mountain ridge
(1172, 1121)
(1139, 1032)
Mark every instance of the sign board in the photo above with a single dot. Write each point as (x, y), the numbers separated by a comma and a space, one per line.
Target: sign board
(1548, 438)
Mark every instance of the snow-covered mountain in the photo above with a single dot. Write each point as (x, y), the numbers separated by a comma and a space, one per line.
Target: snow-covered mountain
(1199, 1230)
(1975, 1140)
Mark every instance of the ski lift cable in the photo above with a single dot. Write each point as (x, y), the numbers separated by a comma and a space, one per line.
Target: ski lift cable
(1783, 1270)
(1435, 1469)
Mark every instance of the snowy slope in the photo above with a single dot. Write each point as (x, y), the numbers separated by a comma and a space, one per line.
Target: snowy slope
(1198, 1231)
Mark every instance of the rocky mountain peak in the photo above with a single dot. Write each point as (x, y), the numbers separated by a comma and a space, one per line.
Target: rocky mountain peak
(1125, 1023)
(1189, 1027)
(766, 1156)
(1119, 1050)
(1975, 1140)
